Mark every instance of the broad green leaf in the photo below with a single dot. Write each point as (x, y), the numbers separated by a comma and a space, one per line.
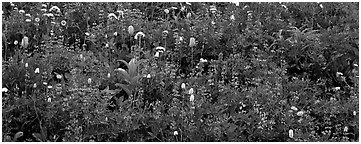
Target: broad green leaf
(125, 88)
(126, 63)
(124, 74)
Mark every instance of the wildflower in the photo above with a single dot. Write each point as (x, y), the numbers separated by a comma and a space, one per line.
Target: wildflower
(89, 80)
(49, 99)
(106, 45)
(43, 10)
(81, 56)
(131, 30)
(213, 9)
(4, 90)
(112, 15)
(28, 20)
(26, 64)
(149, 76)
(50, 87)
(37, 70)
(294, 108)
(339, 74)
(15, 8)
(35, 85)
(25, 42)
(290, 133)
(63, 22)
(44, 6)
(180, 39)
(55, 8)
(189, 15)
(115, 33)
(213, 23)
(16, 42)
(345, 129)
(175, 133)
(183, 8)
(45, 83)
(108, 75)
(139, 34)
(300, 113)
(191, 91)
(58, 76)
(232, 17)
(192, 42)
(336, 88)
(321, 6)
(156, 54)
(354, 113)
(191, 98)
(87, 34)
(37, 19)
(160, 48)
(356, 65)
(166, 11)
(12, 4)
(21, 11)
(188, 3)
(183, 86)
(121, 13)
(165, 34)
(203, 60)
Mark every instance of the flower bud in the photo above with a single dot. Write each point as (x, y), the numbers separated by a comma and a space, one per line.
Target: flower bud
(354, 113)
(191, 98)
(290, 133)
(37, 70)
(156, 54)
(131, 30)
(166, 11)
(35, 85)
(183, 86)
(49, 99)
(345, 129)
(16, 42)
(50, 87)
(192, 42)
(108, 75)
(89, 80)
(191, 91)
(115, 33)
(63, 22)
(26, 64)
(175, 133)
(148, 76)
(25, 42)
(232, 17)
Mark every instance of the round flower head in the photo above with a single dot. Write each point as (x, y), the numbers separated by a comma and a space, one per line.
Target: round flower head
(37, 70)
(290, 133)
(63, 22)
(183, 86)
(166, 11)
(192, 42)
(191, 98)
(156, 54)
(37, 19)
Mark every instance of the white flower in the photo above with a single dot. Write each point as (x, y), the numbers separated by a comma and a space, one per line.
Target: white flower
(49, 99)
(35, 85)
(58, 76)
(213, 23)
(37, 70)
(321, 5)
(11, 4)
(354, 113)
(294, 108)
(50, 87)
(189, 15)
(45, 83)
(290, 133)
(139, 34)
(156, 54)
(4, 90)
(110, 15)
(160, 48)
(21, 11)
(356, 65)
(27, 15)
(16, 42)
(25, 42)
(166, 11)
(183, 8)
(87, 34)
(89, 80)
(337, 88)
(131, 30)
(26, 64)
(55, 8)
(232, 17)
(175, 133)
(63, 22)
(37, 19)
(81, 56)
(43, 10)
(203, 60)
(115, 34)
(148, 76)
(108, 75)
(180, 38)
(191, 91)
(339, 74)
(183, 85)
(44, 5)
(300, 113)
(191, 98)
(345, 129)
(188, 3)
(106, 45)
(28, 20)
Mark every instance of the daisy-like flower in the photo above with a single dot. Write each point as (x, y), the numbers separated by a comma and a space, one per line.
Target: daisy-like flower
(139, 34)
(131, 30)
(37, 19)
(63, 22)
(37, 70)
(290, 133)
(21, 11)
(166, 11)
(149, 76)
(16, 42)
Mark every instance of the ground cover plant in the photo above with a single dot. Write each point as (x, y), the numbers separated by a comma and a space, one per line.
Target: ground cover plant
(180, 72)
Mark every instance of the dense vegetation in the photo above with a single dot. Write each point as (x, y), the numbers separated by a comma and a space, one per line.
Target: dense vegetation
(180, 72)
